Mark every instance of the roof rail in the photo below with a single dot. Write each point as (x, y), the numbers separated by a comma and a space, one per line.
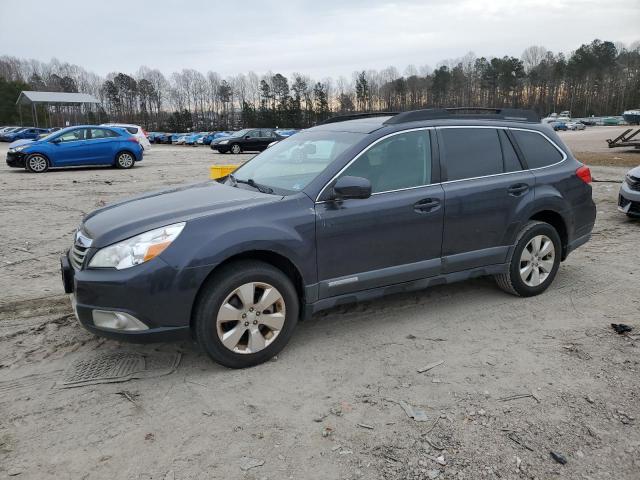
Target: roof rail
(356, 116)
(512, 114)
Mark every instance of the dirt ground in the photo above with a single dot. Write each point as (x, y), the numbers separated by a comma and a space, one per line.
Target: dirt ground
(520, 378)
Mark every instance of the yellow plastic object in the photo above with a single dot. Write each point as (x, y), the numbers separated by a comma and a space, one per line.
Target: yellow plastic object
(219, 171)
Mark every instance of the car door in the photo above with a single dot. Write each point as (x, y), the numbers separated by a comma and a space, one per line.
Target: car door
(251, 141)
(485, 191)
(266, 137)
(100, 145)
(70, 148)
(391, 237)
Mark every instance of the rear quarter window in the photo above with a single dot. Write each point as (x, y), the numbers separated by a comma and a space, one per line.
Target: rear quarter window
(537, 150)
(131, 130)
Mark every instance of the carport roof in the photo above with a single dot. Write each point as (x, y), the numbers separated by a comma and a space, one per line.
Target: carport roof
(27, 97)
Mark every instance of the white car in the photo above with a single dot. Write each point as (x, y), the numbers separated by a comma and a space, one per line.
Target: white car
(181, 140)
(134, 130)
(575, 125)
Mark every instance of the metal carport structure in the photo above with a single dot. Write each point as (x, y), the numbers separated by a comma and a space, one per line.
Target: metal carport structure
(66, 107)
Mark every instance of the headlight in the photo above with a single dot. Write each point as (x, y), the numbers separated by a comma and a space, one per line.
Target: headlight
(18, 148)
(138, 249)
(223, 142)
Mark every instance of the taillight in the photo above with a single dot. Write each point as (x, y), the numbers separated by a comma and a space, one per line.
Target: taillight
(132, 139)
(145, 133)
(584, 174)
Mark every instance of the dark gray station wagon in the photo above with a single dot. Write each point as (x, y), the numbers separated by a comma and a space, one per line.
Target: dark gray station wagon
(347, 211)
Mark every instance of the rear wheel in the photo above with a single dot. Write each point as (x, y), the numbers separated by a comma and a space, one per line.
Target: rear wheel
(37, 163)
(534, 261)
(236, 149)
(246, 314)
(125, 160)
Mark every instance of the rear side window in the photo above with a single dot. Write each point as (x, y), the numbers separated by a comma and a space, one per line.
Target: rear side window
(131, 130)
(471, 152)
(102, 133)
(538, 151)
(400, 161)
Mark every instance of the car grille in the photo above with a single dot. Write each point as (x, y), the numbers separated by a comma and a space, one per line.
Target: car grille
(634, 183)
(76, 256)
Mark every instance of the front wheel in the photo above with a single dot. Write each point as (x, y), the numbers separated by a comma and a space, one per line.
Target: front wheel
(37, 163)
(236, 149)
(534, 261)
(124, 160)
(246, 314)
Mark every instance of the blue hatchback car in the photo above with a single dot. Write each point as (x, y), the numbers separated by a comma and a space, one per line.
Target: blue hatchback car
(77, 146)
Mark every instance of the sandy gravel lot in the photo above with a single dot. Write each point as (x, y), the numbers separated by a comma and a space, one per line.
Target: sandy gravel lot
(520, 378)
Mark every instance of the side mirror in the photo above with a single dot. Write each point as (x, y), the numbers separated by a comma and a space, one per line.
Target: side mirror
(56, 140)
(352, 187)
(247, 137)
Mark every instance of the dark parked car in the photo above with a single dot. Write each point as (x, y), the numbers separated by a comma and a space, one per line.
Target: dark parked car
(342, 212)
(247, 140)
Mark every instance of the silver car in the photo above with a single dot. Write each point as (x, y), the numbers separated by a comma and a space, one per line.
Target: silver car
(629, 198)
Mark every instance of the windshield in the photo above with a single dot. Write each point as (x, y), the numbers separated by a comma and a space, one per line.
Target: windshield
(291, 164)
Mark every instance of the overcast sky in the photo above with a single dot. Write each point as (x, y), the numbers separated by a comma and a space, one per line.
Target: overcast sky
(321, 38)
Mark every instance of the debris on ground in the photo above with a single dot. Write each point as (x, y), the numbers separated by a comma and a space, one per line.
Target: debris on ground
(247, 463)
(558, 457)
(364, 425)
(621, 328)
(417, 415)
(327, 431)
(518, 396)
(430, 366)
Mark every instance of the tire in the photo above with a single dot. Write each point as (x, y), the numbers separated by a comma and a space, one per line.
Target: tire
(545, 261)
(37, 163)
(125, 160)
(236, 149)
(221, 312)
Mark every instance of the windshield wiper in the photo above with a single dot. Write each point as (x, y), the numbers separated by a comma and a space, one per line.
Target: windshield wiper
(251, 183)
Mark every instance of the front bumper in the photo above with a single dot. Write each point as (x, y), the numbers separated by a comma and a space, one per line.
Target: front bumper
(221, 148)
(153, 293)
(629, 200)
(16, 159)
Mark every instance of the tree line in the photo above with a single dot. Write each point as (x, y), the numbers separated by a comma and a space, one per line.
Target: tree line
(599, 78)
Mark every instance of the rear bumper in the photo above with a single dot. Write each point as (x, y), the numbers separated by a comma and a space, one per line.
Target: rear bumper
(16, 159)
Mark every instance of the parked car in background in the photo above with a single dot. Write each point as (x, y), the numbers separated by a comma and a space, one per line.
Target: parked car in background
(182, 139)
(26, 133)
(135, 130)
(8, 129)
(177, 136)
(629, 196)
(286, 133)
(558, 125)
(77, 146)
(342, 212)
(192, 139)
(575, 125)
(247, 140)
(215, 136)
(162, 138)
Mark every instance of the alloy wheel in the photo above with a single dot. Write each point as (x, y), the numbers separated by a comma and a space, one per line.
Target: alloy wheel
(235, 149)
(251, 318)
(37, 163)
(537, 260)
(125, 160)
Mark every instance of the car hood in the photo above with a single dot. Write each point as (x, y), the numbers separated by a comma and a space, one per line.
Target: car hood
(133, 216)
(17, 143)
(634, 172)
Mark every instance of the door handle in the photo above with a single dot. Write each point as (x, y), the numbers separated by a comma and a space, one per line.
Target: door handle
(426, 205)
(518, 189)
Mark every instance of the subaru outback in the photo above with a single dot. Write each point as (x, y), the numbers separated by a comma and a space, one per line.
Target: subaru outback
(349, 210)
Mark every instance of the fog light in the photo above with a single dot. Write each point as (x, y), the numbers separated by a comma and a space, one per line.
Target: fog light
(117, 321)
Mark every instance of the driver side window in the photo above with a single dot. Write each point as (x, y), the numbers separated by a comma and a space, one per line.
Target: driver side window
(397, 162)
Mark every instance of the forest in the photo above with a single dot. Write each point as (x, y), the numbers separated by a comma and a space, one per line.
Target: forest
(599, 78)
